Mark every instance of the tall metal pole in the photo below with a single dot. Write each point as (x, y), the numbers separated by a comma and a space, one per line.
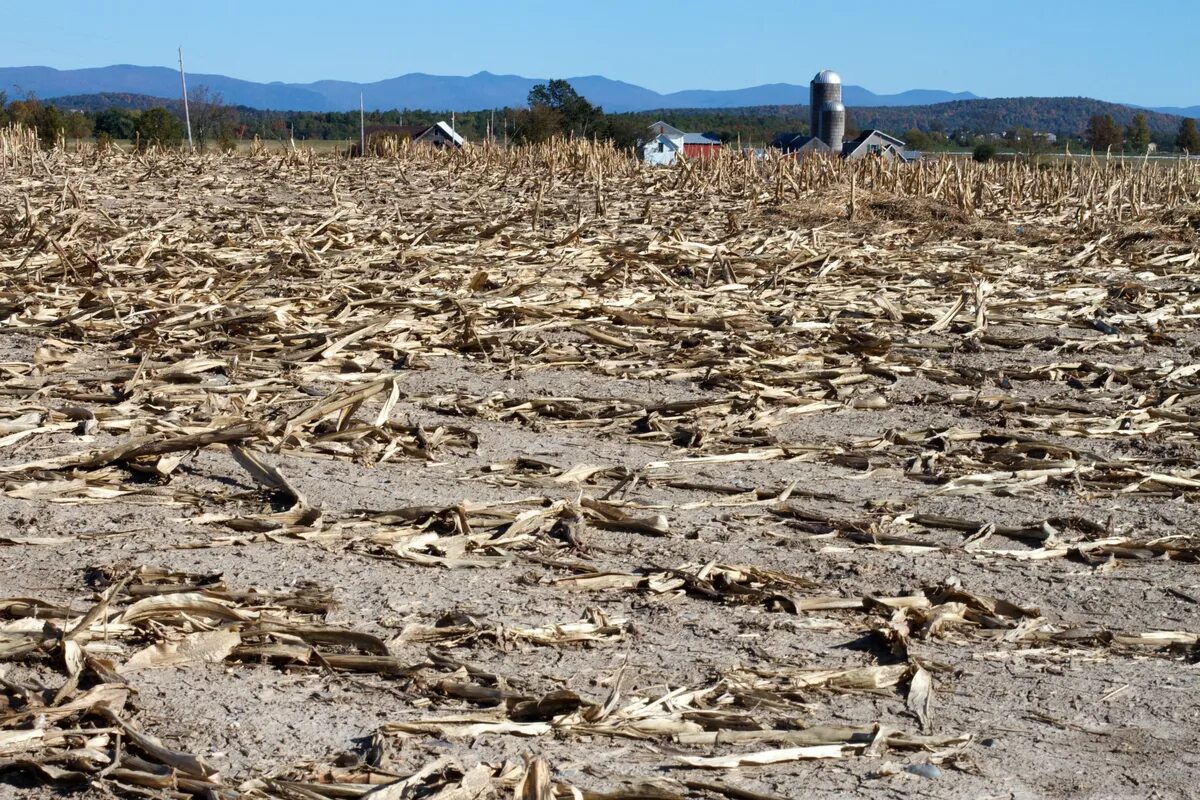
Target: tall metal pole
(362, 127)
(187, 115)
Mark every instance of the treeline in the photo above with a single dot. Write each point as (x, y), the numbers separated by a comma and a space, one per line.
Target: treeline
(556, 109)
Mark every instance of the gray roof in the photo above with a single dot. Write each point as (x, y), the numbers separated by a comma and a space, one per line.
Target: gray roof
(867, 134)
(700, 138)
(827, 76)
(795, 142)
(667, 127)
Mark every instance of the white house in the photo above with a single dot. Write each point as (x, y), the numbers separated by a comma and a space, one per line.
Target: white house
(662, 150)
(665, 146)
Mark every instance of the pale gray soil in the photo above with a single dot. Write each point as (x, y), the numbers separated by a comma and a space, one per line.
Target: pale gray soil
(1058, 721)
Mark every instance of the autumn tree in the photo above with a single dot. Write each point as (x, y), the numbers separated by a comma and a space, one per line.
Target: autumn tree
(77, 126)
(1188, 138)
(917, 139)
(1103, 132)
(45, 120)
(212, 119)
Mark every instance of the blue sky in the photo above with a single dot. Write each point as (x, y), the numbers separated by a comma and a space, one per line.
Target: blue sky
(1102, 48)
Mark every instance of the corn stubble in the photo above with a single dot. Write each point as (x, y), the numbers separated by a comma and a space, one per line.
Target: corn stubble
(807, 288)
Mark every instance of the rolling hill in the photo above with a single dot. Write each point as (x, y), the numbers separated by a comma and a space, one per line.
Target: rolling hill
(419, 90)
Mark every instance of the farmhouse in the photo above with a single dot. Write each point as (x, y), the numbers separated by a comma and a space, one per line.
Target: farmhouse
(667, 143)
(827, 127)
(874, 143)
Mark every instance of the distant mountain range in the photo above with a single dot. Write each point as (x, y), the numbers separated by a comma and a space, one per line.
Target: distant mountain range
(417, 90)
(1189, 111)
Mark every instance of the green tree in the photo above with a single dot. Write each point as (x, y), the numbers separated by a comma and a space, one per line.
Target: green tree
(1103, 132)
(578, 116)
(620, 130)
(984, 152)
(537, 124)
(158, 126)
(1138, 134)
(1188, 138)
(115, 123)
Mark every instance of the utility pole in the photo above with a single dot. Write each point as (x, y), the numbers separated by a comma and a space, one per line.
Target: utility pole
(187, 115)
(362, 127)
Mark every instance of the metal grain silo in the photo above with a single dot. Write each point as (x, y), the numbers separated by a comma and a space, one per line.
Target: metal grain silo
(826, 87)
(833, 125)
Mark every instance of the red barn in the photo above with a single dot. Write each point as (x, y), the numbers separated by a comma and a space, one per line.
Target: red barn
(700, 145)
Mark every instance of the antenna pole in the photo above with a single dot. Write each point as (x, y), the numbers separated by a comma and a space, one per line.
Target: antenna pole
(362, 127)
(187, 115)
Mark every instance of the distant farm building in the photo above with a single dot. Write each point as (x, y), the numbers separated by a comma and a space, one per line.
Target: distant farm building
(879, 144)
(799, 144)
(700, 145)
(439, 135)
(667, 143)
(827, 128)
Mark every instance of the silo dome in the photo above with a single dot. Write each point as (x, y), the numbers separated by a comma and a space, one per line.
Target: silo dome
(827, 76)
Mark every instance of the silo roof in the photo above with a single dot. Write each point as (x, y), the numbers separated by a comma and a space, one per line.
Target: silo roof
(827, 76)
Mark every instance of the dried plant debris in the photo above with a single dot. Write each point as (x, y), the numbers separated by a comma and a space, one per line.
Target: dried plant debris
(774, 406)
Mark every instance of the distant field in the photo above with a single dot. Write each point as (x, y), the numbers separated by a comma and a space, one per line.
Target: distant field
(316, 145)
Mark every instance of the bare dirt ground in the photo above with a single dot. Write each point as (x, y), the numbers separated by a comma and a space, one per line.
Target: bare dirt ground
(414, 477)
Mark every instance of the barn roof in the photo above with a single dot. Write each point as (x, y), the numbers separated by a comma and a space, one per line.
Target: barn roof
(700, 138)
(400, 131)
(862, 137)
(792, 142)
(450, 132)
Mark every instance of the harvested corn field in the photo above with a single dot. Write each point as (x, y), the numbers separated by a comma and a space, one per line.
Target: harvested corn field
(535, 474)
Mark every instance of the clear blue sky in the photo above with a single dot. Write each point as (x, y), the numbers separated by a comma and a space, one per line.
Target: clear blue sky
(1107, 49)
